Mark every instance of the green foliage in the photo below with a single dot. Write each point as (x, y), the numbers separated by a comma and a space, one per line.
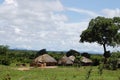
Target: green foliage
(104, 31)
(77, 61)
(115, 55)
(88, 74)
(6, 62)
(101, 30)
(3, 49)
(72, 52)
(22, 56)
(41, 52)
(4, 55)
(8, 56)
(85, 54)
(7, 77)
(112, 63)
(118, 77)
(56, 55)
(100, 69)
(96, 58)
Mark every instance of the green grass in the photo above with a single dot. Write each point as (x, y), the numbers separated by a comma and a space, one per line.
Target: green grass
(60, 73)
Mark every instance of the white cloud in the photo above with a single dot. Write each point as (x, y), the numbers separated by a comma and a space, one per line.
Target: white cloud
(41, 5)
(111, 12)
(10, 2)
(30, 22)
(17, 30)
(41, 24)
(2, 32)
(59, 17)
(83, 11)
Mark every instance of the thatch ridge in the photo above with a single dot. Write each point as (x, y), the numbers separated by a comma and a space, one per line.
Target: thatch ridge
(45, 58)
(86, 60)
(72, 57)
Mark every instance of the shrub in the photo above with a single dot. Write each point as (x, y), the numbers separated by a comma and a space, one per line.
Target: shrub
(112, 63)
(5, 62)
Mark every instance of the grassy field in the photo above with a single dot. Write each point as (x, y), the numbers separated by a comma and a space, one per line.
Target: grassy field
(60, 73)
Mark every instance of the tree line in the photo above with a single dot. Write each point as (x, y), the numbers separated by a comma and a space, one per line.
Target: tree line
(10, 56)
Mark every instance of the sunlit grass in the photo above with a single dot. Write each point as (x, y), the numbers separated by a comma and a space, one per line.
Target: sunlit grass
(60, 73)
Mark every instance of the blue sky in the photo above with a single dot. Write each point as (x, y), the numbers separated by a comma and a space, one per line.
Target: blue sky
(1, 1)
(92, 5)
(52, 24)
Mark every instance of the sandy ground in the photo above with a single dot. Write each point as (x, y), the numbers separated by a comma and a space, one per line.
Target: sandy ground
(28, 68)
(49, 67)
(23, 68)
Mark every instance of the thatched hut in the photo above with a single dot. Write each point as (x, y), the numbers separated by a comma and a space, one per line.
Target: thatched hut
(65, 61)
(72, 58)
(86, 61)
(45, 60)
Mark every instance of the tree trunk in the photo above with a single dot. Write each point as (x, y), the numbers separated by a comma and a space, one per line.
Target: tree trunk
(105, 60)
(104, 48)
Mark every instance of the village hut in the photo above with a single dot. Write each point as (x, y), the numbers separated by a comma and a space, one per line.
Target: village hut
(72, 58)
(86, 61)
(45, 60)
(65, 61)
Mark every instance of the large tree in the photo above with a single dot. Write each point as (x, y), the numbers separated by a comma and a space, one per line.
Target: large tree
(104, 31)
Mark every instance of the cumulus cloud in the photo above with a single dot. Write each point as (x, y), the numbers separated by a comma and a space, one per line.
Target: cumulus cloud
(41, 24)
(29, 21)
(10, 2)
(35, 24)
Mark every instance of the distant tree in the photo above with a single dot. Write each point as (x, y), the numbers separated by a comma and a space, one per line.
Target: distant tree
(85, 54)
(3, 49)
(104, 31)
(41, 52)
(72, 52)
(4, 59)
(56, 55)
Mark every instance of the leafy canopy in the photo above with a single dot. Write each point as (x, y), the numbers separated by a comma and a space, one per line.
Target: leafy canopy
(103, 31)
(72, 53)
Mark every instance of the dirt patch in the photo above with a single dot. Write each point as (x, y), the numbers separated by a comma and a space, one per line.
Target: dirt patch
(28, 68)
(23, 69)
(49, 67)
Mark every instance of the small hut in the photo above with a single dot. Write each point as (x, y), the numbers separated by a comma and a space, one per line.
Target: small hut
(45, 60)
(72, 58)
(65, 61)
(86, 61)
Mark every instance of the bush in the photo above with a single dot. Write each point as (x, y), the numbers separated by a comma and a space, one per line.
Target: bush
(5, 62)
(96, 59)
(111, 64)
